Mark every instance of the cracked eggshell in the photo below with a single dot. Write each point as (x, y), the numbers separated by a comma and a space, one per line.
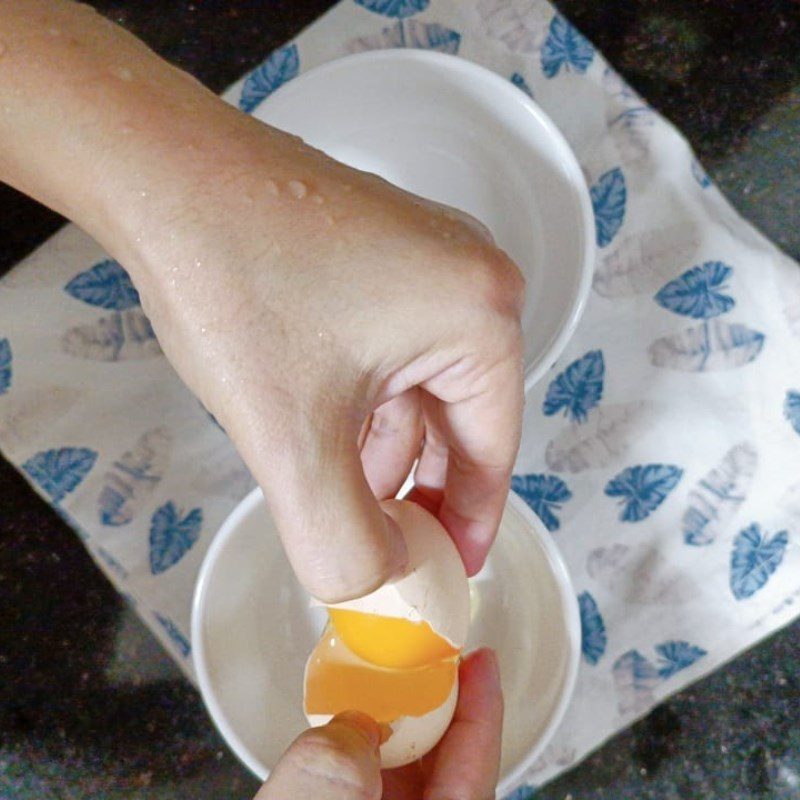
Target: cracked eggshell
(412, 737)
(433, 588)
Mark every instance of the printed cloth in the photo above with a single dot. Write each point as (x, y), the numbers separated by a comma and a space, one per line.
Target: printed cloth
(662, 451)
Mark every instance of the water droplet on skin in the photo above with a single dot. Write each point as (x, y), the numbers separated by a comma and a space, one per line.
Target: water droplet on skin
(272, 188)
(317, 199)
(143, 193)
(54, 31)
(123, 73)
(297, 189)
(198, 263)
(125, 130)
(203, 329)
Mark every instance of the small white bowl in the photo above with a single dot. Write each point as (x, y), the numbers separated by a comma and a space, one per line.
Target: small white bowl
(452, 131)
(253, 628)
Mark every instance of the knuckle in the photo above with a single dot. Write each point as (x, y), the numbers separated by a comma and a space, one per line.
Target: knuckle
(326, 759)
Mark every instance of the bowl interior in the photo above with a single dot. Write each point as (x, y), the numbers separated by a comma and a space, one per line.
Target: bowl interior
(452, 131)
(253, 628)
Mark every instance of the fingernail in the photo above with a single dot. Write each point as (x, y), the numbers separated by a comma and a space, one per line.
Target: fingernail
(362, 724)
(398, 553)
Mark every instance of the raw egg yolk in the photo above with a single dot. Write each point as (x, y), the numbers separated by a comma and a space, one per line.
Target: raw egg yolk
(389, 641)
(336, 682)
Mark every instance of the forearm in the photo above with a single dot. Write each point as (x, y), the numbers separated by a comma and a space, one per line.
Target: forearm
(98, 127)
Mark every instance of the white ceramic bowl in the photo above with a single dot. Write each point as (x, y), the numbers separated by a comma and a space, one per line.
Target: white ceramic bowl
(452, 131)
(252, 631)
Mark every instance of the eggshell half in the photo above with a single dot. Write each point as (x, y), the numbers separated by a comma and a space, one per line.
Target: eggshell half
(434, 586)
(412, 737)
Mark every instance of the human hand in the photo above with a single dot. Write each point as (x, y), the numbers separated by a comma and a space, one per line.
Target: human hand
(340, 760)
(337, 327)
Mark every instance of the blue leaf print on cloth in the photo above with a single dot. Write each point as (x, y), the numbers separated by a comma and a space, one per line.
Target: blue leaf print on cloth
(522, 793)
(106, 285)
(5, 365)
(643, 489)
(675, 656)
(698, 292)
(172, 535)
(754, 558)
(58, 472)
(280, 67)
(717, 496)
(409, 33)
(593, 629)
(699, 174)
(635, 678)
(544, 494)
(175, 635)
(791, 407)
(710, 347)
(578, 389)
(609, 196)
(521, 83)
(395, 8)
(565, 47)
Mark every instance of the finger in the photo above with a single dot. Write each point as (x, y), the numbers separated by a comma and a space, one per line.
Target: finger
(483, 434)
(339, 761)
(431, 472)
(338, 541)
(403, 783)
(466, 763)
(391, 443)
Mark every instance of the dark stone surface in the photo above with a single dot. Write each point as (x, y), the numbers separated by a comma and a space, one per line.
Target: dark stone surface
(90, 707)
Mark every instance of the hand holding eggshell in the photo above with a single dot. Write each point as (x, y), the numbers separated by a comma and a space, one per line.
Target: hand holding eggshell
(394, 653)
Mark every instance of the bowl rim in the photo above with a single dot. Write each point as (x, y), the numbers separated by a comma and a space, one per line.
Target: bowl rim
(472, 73)
(558, 569)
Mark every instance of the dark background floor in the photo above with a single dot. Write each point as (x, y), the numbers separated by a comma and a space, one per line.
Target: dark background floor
(89, 705)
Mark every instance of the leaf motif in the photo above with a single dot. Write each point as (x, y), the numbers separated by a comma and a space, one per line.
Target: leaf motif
(643, 489)
(631, 131)
(112, 563)
(700, 175)
(545, 494)
(717, 496)
(609, 198)
(675, 656)
(710, 347)
(615, 86)
(635, 678)
(754, 558)
(172, 535)
(521, 26)
(578, 389)
(519, 81)
(122, 336)
(791, 409)
(395, 8)
(5, 366)
(698, 292)
(58, 472)
(174, 633)
(522, 793)
(596, 443)
(641, 262)
(603, 562)
(593, 629)
(565, 47)
(106, 285)
(281, 66)
(410, 33)
(133, 477)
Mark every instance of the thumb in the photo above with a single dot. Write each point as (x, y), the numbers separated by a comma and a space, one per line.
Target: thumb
(340, 543)
(338, 761)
